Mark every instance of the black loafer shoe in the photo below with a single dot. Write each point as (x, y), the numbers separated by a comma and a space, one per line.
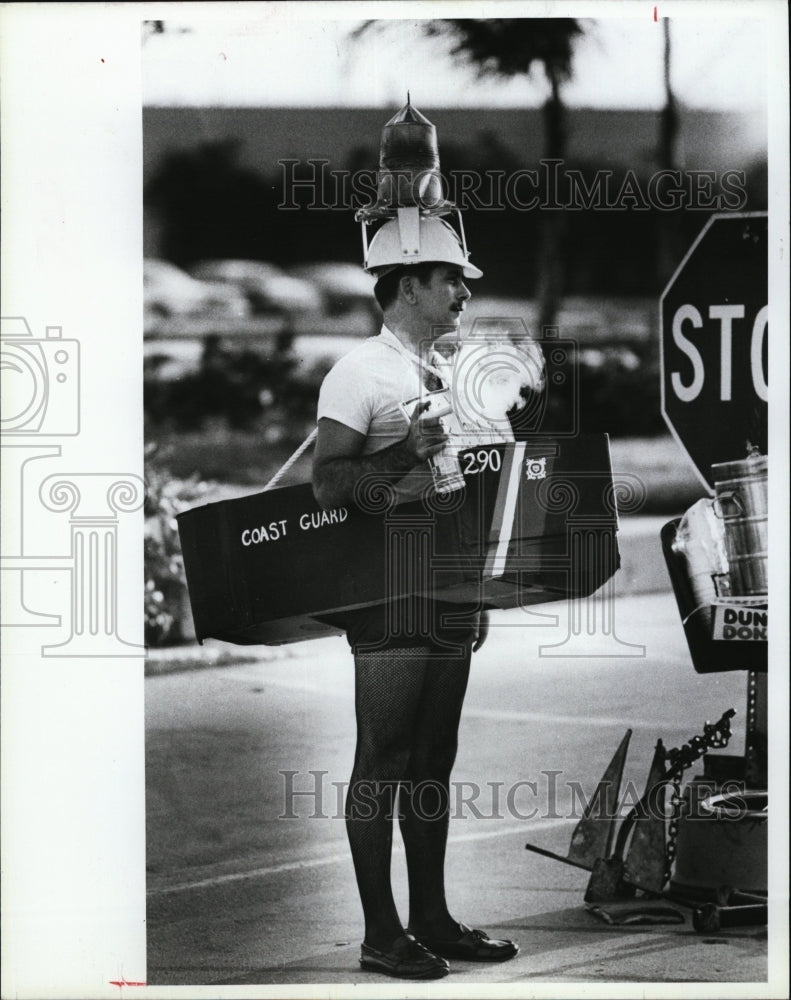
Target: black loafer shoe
(406, 959)
(472, 946)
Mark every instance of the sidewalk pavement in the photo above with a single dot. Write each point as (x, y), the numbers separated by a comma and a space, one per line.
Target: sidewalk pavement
(567, 944)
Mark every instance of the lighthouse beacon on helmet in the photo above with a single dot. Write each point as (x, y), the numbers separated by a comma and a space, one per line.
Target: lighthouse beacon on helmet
(410, 202)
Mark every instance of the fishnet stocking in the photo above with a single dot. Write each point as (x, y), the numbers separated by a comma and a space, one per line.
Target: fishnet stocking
(424, 799)
(408, 705)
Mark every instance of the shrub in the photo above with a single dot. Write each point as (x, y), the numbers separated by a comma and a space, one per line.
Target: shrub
(165, 583)
(234, 384)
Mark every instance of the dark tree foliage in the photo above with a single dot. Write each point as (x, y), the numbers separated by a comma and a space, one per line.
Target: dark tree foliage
(512, 46)
(211, 206)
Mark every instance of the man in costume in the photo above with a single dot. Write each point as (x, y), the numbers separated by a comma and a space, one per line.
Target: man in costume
(411, 670)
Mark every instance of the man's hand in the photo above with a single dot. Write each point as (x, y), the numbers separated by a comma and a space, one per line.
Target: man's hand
(483, 631)
(338, 462)
(426, 435)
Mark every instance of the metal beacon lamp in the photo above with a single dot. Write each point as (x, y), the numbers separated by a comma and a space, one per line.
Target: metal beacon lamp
(410, 183)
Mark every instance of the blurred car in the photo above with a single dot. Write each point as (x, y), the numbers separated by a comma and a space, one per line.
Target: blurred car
(169, 292)
(341, 284)
(347, 294)
(267, 288)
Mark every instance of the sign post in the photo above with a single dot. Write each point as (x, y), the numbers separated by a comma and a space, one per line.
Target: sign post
(714, 362)
(714, 332)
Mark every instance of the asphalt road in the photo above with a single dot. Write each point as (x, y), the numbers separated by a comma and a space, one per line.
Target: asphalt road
(250, 884)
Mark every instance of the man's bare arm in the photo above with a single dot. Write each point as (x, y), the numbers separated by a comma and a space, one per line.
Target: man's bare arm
(338, 463)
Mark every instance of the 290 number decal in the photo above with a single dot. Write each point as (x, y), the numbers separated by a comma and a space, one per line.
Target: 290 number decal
(480, 461)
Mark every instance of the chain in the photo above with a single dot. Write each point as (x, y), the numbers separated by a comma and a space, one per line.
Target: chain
(672, 828)
(715, 735)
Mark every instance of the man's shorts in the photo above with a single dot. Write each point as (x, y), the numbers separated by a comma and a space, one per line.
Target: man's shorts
(410, 621)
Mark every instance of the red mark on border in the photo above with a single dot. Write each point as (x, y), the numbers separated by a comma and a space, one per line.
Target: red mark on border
(125, 982)
(655, 17)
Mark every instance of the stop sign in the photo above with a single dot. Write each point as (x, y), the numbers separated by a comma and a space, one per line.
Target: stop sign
(714, 318)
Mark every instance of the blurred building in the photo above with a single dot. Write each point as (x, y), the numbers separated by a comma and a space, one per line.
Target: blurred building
(214, 184)
(708, 140)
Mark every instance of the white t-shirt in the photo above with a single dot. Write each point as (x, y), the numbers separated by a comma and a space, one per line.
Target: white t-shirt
(365, 389)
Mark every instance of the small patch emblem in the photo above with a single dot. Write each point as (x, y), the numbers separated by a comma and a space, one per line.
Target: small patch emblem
(536, 468)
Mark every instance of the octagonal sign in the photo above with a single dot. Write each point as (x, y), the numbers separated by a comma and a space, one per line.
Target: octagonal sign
(714, 332)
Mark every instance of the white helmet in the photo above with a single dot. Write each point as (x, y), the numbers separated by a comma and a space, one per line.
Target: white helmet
(414, 238)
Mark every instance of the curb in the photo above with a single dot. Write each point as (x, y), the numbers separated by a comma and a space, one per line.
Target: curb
(174, 659)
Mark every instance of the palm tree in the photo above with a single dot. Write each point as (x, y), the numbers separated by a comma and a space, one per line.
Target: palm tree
(505, 47)
(514, 47)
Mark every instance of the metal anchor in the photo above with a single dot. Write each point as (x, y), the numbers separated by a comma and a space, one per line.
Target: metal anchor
(635, 855)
